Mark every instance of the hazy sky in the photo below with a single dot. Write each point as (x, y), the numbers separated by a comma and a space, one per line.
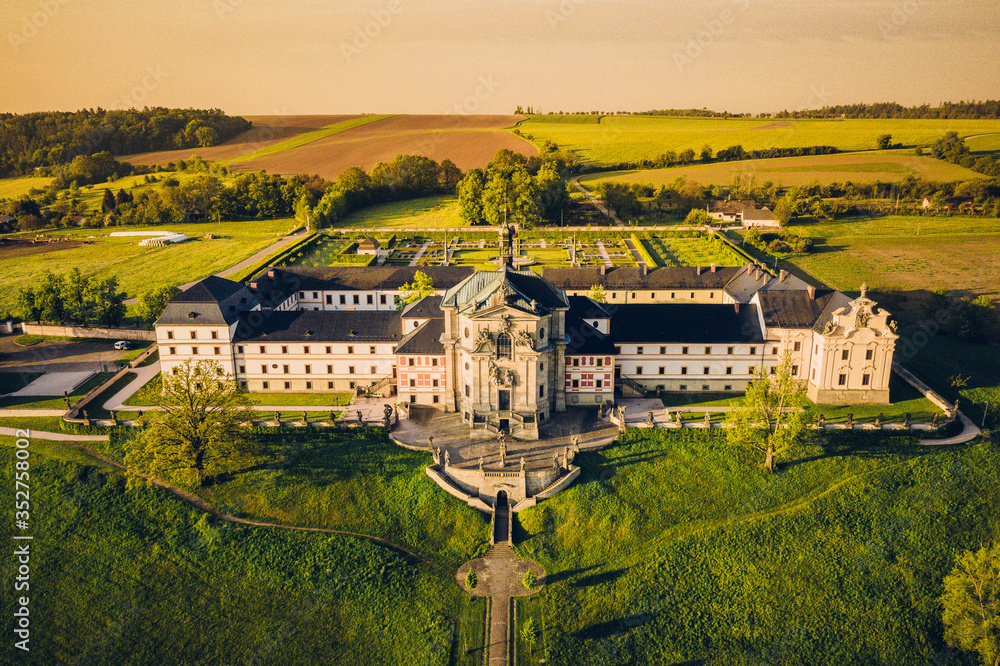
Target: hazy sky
(488, 56)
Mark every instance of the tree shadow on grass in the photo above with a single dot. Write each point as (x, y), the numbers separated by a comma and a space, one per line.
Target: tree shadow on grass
(560, 576)
(599, 578)
(855, 446)
(615, 627)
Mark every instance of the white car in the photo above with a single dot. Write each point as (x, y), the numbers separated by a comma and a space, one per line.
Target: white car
(123, 344)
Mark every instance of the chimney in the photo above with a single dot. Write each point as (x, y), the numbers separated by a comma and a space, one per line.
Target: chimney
(270, 272)
(604, 269)
(645, 269)
(736, 306)
(812, 291)
(253, 285)
(697, 270)
(750, 269)
(782, 275)
(713, 267)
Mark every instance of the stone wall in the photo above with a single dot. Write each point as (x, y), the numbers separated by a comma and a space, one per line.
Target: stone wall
(89, 332)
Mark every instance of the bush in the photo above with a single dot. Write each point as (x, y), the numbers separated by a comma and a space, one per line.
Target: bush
(529, 581)
(471, 580)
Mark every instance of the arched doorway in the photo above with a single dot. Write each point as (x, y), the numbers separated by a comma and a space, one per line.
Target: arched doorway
(501, 499)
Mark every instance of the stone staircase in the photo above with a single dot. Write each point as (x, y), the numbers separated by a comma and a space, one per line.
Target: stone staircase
(376, 387)
(635, 387)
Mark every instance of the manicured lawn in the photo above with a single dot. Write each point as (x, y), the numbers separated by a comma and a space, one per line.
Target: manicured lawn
(130, 576)
(142, 268)
(353, 479)
(29, 340)
(425, 213)
(674, 548)
(633, 138)
(40, 423)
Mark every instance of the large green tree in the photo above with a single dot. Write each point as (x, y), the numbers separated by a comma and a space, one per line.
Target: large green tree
(971, 603)
(422, 286)
(200, 433)
(770, 419)
(151, 304)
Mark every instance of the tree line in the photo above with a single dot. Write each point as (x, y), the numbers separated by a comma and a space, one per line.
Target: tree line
(72, 298)
(52, 138)
(512, 187)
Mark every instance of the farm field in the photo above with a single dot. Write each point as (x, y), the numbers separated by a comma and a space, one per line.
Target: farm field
(984, 143)
(703, 559)
(468, 141)
(267, 131)
(886, 166)
(633, 138)
(15, 188)
(140, 268)
(136, 576)
(905, 253)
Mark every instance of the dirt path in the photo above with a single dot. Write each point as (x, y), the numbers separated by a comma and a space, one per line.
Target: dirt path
(56, 436)
(594, 202)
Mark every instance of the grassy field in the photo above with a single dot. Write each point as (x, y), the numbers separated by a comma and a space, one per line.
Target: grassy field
(425, 213)
(674, 548)
(890, 166)
(633, 138)
(15, 188)
(677, 251)
(905, 253)
(134, 576)
(52, 402)
(984, 143)
(141, 268)
(354, 480)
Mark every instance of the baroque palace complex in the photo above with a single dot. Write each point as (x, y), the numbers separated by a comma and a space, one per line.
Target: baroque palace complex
(511, 347)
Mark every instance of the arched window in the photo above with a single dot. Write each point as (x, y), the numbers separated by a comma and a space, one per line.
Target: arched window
(503, 346)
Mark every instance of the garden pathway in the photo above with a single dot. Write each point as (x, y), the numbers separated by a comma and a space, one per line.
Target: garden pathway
(604, 253)
(594, 202)
(144, 374)
(56, 436)
(635, 252)
(420, 253)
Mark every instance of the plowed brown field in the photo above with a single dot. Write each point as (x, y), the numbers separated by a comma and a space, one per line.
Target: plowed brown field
(267, 131)
(468, 141)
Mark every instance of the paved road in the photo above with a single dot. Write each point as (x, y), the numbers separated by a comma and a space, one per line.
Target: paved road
(51, 356)
(56, 436)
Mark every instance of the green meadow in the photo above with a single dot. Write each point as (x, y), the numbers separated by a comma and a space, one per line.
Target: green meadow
(633, 138)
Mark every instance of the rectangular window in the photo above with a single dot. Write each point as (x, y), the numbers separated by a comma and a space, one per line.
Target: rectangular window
(357, 299)
(576, 383)
(662, 370)
(410, 361)
(329, 299)
(633, 294)
(435, 399)
(350, 349)
(194, 351)
(284, 369)
(772, 370)
(170, 335)
(173, 351)
(343, 299)
(842, 380)
(730, 350)
(309, 369)
(315, 295)
(329, 369)
(371, 349)
(844, 355)
(599, 383)
(866, 379)
(797, 346)
(638, 349)
(371, 299)
(350, 369)
(305, 349)
(243, 369)
(541, 391)
(467, 391)
(753, 351)
(215, 335)
(704, 370)
(413, 398)
(729, 369)
(708, 351)
(263, 349)
(638, 370)
(576, 362)
(673, 294)
(663, 350)
(239, 349)
(381, 300)
(194, 335)
(774, 351)
(600, 362)
(302, 294)
(329, 349)
(265, 385)
(413, 383)
(869, 353)
(684, 350)
(795, 371)
(284, 349)
(435, 383)
(309, 385)
(692, 294)
(727, 387)
(263, 369)
(704, 387)
(352, 385)
(215, 350)
(288, 385)
(684, 370)
(329, 385)
(434, 362)
(372, 369)
(683, 387)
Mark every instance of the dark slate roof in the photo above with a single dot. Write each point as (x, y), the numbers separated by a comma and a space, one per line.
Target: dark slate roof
(793, 308)
(626, 277)
(522, 288)
(213, 301)
(687, 322)
(210, 290)
(426, 307)
(323, 326)
(357, 278)
(748, 281)
(837, 301)
(424, 340)
(584, 338)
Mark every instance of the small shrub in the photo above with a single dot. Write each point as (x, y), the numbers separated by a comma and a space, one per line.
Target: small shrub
(471, 580)
(529, 581)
